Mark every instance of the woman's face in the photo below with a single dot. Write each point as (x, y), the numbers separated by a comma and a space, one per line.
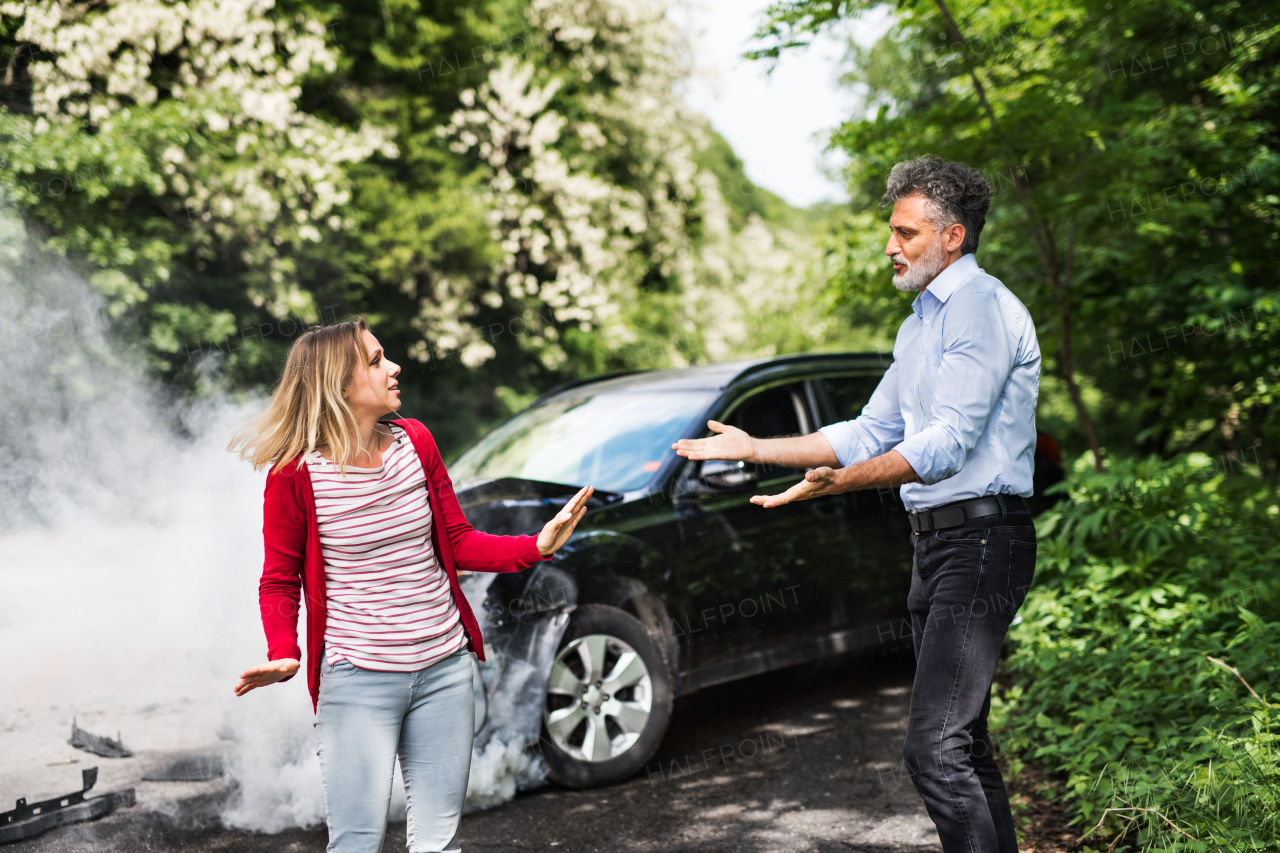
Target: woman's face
(374, 390)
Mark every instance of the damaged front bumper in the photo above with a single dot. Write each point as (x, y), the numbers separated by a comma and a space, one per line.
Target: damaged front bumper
(521, 637)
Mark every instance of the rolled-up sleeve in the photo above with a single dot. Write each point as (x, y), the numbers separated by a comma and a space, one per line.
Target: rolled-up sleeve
(976, 360)
(876, 431)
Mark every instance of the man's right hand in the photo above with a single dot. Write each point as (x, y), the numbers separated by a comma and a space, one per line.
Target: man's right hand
(266, 673)
(731, 443)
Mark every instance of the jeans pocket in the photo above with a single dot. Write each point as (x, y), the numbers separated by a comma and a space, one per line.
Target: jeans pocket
(1022, 569)
(341, 669)
(962, 535)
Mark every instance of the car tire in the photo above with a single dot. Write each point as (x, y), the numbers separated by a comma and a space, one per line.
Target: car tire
(591, 736)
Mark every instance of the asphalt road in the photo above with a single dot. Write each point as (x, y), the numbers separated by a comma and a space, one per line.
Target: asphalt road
(803, 760)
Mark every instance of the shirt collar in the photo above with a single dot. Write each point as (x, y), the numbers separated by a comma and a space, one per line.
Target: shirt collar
(947, 281)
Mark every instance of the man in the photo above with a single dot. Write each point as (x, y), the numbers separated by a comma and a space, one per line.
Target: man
(953, 423)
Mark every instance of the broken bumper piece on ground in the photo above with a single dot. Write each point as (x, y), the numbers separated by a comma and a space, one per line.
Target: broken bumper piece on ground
(98, 744)
(31, 819)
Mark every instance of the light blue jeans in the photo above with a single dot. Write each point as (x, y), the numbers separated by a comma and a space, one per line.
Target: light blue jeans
(364, 720)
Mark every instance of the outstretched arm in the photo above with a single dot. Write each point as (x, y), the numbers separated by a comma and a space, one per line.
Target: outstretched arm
(800, 451)
(557, 531)
(284, 536)
(891, 469)
(878, 429)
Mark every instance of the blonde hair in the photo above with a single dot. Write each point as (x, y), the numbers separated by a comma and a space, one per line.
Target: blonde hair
(307, 409)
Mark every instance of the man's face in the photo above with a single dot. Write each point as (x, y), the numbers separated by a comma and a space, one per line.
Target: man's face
(917, 250)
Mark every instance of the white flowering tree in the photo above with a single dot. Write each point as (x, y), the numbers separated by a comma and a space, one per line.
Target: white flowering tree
(545, 207)
(184, 108)
(605, 222)
(592, 173)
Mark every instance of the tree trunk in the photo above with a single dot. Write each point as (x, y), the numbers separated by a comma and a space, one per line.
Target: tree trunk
(1065, 362)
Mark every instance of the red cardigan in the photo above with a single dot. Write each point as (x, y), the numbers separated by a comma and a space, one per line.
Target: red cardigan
(294, 564)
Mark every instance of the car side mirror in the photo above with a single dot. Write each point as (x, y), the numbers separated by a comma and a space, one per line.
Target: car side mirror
(724, 474)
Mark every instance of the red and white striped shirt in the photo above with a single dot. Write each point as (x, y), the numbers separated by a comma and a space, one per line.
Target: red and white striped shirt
(389, 603)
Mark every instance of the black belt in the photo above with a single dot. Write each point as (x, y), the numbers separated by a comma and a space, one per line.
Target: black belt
(956, 514)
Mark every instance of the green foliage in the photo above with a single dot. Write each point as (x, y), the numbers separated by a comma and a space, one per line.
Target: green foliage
(1132, 147)
(1151, 567)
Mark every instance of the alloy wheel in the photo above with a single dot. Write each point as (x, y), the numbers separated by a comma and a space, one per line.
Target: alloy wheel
(599, 698)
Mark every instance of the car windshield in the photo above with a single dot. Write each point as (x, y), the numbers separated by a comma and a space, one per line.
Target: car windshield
(615, 441)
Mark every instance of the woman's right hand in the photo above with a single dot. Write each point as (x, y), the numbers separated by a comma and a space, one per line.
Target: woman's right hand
(558, 530)
(266, 673)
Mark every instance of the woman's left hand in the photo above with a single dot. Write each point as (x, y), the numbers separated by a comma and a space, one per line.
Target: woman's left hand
(266, 673)
(560, 528)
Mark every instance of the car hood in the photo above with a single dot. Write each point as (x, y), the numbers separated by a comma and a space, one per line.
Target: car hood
(510, 505)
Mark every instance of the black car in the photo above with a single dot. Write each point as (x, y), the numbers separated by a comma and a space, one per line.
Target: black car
(673, 581)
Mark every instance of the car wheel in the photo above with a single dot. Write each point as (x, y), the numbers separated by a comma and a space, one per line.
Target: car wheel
(608, 699)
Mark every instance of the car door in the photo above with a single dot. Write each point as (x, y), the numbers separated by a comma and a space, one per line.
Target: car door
(873, 575)
(755, 570)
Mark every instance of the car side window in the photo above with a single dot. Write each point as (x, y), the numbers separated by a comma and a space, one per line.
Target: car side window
(769, 414)
(846, 395)
(776, 412)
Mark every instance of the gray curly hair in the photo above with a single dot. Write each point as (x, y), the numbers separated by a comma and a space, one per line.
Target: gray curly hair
(955, 193)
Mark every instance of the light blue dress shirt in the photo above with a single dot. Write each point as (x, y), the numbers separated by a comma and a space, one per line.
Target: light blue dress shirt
(959, 400)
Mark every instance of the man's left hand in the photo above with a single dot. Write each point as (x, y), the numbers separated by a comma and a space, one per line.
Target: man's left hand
(816, 483)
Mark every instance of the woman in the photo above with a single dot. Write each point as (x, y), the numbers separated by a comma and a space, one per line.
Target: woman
(361, 515)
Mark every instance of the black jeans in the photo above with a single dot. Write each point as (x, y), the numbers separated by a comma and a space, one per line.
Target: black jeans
(967, 583)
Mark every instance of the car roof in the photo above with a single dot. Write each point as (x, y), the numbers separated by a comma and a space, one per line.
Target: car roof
(719, 377)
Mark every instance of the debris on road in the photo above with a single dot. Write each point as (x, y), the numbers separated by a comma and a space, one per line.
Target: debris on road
(27, 820)
(97, 744)
(193, 768)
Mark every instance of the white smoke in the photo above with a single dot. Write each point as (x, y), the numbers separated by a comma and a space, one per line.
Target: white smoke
(498, 771)
(506, 719)
(130, 551)
(274, 763)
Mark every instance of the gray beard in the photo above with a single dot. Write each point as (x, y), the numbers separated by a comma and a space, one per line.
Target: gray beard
(923, 271)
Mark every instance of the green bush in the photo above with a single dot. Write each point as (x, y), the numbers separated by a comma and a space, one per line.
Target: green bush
(1147, 571)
